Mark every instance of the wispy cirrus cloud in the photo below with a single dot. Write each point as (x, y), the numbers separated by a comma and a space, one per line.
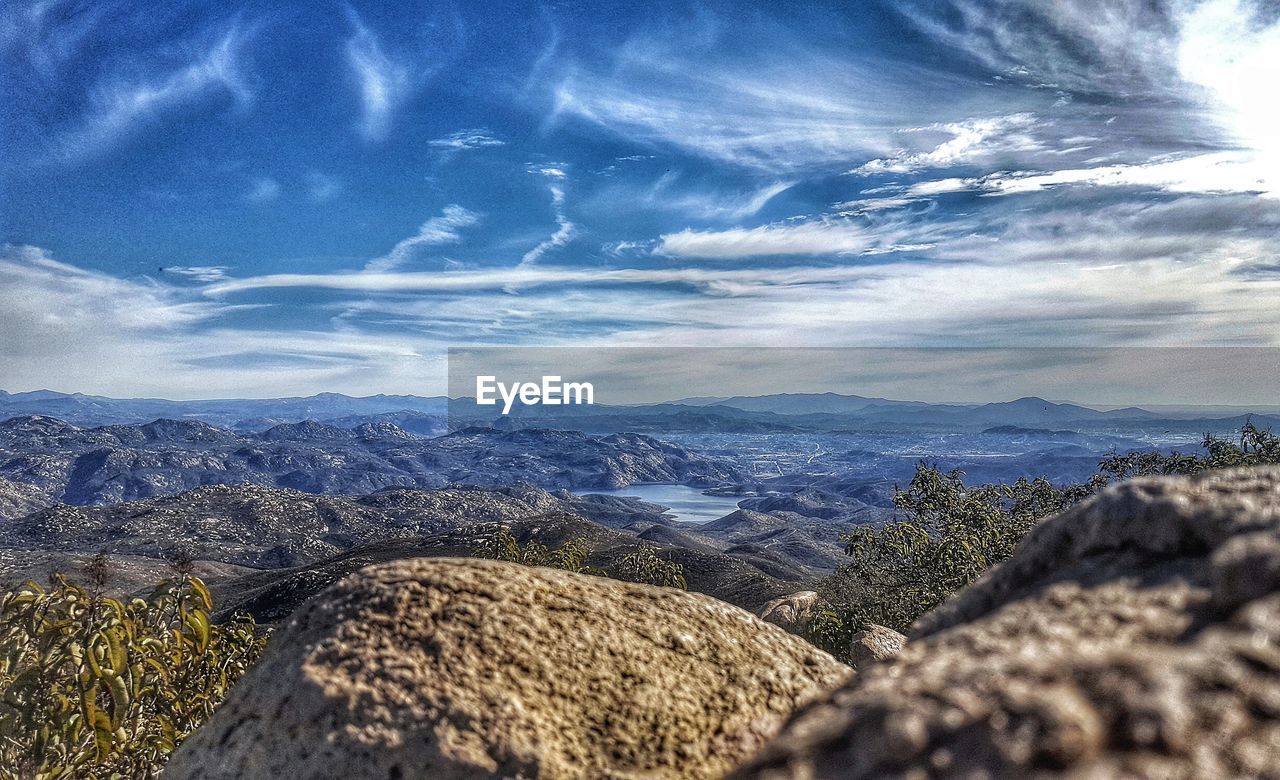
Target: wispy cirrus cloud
(971, 141)
(565, 228)
(383, 80)
(1122, 47)
(321, 187)
(1010, 287)
(263, 189)
(66, 328)
(1217, 173)
(204, 274)
(49, 35)
(826, 236)
(767, 112)
(436, 231)
(673, 193)
(57, 319)
(810, 238)
(1179, 76)
(465, 140)
(120, 105)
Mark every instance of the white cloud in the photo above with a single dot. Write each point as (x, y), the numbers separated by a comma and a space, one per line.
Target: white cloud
(624, 248)
(321, 187)
(865, 205)
(769, 111)
(384, 82)
(65, 328)
(1221, 172)
(1130, 274)
(690, 199)
(809, 238)
(119, 106)
(263, 189)
(466, 139)
(205, 274)
(1123, 47)
(565, 229)
(971, 141)
(1227, 48)
(829, 236)
(522, 277)
(1120, 286)
(434, 232)
(59, 322)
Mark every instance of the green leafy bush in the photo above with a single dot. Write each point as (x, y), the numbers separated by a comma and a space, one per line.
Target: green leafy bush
(642, 565)
(948, 533)
(91, 686)
(1256, 446)
(500, 545)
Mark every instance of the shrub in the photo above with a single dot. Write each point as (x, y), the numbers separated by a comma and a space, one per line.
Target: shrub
(642, 565)
(948, 533)
(500, 545)
(91, 686)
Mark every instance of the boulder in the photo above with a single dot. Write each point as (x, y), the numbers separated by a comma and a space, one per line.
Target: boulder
(874, 643)
(1136, 634)
(462, 668)
(792, 612)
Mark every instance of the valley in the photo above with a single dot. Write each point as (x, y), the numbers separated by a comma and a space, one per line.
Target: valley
(274, 504)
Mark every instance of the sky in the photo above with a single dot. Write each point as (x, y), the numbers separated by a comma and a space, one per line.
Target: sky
(282, 198)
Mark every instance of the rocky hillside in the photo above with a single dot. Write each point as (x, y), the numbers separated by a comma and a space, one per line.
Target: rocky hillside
(263, 527)
(60, 462)
(1135, 635)
(304, 542)
(126, 575)
(271, 596)
(465, 668)
(20, 498)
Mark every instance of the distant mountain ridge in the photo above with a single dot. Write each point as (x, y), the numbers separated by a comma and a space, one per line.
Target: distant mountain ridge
(82, 409)
(775, 413)
(1011, 412)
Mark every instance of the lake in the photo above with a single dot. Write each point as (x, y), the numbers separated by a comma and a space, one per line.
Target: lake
(688, 505)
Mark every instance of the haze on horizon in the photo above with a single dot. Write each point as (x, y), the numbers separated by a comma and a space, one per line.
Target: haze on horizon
(272, 199)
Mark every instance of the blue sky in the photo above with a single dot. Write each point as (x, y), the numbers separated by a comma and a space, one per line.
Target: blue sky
(256, 199)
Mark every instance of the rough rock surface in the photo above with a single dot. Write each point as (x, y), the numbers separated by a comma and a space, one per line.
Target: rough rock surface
(451, 668)
(874, 643)
(1137, 634)
(792, 612)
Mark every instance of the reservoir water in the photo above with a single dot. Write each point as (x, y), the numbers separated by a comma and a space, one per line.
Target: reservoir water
(687, 504)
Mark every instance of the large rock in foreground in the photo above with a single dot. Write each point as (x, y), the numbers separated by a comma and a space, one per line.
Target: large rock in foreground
(453, 668)
(1135, 635)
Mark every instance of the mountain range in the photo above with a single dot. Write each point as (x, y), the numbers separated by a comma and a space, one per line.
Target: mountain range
(782, 412)
(45, 460)
(266, 549)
